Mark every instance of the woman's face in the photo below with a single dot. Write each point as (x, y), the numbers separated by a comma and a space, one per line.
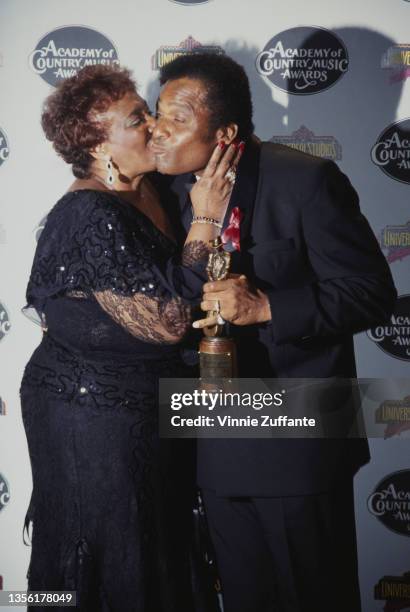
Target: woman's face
(129, 131)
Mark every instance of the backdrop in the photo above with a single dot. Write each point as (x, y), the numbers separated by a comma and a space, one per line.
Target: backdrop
(328, 77)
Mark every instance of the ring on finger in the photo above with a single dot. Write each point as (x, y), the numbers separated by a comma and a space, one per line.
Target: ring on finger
(231, 175)
(220, 320)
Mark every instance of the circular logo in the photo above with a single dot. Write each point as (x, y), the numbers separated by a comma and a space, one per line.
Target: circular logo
(4, 322)
(394, 337)
(390, 502)
(64, 51)
(392, 151)
(4, 492)
(4, 147)
(303, 61)
(188, 2)
(38, 230)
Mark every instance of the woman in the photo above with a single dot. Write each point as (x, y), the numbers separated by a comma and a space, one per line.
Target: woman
(111, 504)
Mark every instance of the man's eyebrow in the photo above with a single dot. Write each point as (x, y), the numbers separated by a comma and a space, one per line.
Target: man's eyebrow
(183, 105)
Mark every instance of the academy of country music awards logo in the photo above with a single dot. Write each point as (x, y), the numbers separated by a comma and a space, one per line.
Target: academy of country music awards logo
(4, 492)
(4, 147)
(395, 591)
(189, 46)
(391, 152)
(4, 322)
(393, 337)
(395, 242)
(303, 60)
(390, 502)
(397, 61)
(65, 50)
(305, 140)
(190, 2)
(40, 227)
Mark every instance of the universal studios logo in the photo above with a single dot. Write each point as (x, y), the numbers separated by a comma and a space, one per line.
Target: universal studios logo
(394, 337)
(64, 51)
(395, 241)
(390, 502)
(395, 591)
(391, 152)
(189, 46)
(303, 60)
(305, 140)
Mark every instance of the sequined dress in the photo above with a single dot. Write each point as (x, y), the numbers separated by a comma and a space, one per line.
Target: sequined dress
(111, 502)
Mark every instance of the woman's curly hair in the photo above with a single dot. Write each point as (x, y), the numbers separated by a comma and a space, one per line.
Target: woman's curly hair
(66, 118)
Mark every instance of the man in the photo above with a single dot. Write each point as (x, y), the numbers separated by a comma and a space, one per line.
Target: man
(309, 274)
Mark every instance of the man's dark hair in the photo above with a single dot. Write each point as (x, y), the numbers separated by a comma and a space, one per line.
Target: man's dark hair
(228, 92)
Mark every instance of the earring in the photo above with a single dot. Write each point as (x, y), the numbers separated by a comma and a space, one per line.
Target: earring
(110, 175)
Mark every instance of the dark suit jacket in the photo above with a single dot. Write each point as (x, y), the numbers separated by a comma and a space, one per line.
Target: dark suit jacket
(305, 243)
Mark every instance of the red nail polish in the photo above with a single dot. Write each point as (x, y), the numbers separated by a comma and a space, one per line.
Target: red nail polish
(241, 146)
(221, 144)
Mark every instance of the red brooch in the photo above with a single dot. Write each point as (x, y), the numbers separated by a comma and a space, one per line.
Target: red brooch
(232, 231)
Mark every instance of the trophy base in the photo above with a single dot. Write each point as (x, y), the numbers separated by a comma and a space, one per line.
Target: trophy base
(217, 357)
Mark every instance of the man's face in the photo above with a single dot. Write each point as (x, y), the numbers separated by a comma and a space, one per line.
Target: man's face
(181, 140)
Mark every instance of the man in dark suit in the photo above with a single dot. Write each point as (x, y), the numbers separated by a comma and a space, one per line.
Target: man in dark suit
(309, 274)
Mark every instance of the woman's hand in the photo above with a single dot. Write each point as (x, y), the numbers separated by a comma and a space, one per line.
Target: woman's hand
(210, 195)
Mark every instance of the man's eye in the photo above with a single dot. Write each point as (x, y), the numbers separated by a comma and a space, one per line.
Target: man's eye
(179, 119)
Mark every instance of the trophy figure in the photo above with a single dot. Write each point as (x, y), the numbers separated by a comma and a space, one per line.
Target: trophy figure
(217, 353)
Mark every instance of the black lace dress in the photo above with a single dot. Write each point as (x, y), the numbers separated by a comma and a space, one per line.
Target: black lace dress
(111, 502)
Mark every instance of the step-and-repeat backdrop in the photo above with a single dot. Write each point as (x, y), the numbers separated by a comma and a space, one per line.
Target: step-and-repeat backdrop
(329, 78)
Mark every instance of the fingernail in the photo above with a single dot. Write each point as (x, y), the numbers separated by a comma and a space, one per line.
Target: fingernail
(195, 324)
(221, 144)
(241, 146)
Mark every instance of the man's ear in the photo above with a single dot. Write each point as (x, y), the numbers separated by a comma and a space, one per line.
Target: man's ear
(227, 134)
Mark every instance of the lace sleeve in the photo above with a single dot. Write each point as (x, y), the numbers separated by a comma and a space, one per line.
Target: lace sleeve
(100, 246)
(148, 318)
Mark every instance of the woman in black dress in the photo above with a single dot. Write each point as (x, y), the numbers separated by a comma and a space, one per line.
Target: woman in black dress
(111, 504)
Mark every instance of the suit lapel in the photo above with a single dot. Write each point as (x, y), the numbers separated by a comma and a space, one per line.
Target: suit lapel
(243, 196)
(181, 186)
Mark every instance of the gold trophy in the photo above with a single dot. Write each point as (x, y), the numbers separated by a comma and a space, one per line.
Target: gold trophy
(217, 353)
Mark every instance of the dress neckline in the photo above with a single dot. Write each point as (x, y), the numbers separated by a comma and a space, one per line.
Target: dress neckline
(115, 195)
